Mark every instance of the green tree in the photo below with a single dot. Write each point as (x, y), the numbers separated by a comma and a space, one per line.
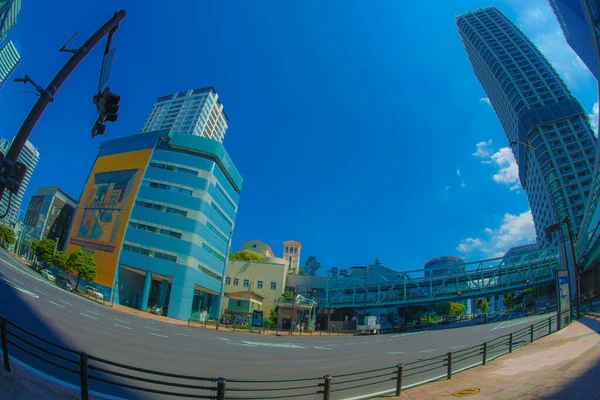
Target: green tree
(482, 305)
(343, 273)
(442, 308)
(456, 309)
(44, 250)
(245, 255)
(7, 235)
(84, 264)
(333, 272)
(61, 261)
(510, 300)
(302, 272)
(311, 266)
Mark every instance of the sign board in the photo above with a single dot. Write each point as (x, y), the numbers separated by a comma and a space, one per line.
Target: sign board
(106, 67)
(257, 318)
(238, 320)
(564, 297)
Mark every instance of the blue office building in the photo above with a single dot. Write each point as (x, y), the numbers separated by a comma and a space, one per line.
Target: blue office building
(547, 128)
(157, 212)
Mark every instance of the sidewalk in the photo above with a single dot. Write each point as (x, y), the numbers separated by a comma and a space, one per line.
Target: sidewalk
(564, 365)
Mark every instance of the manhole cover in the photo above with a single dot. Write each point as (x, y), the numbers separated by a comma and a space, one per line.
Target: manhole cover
(466, 392)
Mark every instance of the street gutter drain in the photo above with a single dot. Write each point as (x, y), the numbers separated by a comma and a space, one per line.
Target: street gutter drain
(466, 392)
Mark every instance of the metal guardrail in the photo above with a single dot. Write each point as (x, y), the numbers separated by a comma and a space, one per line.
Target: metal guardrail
(404, 375)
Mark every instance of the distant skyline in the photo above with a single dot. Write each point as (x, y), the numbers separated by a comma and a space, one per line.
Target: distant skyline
(359, 130)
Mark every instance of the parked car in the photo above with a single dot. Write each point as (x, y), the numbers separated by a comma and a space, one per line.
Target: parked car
(156, 310)
(48, 275)
(64, 283)
(92, 291)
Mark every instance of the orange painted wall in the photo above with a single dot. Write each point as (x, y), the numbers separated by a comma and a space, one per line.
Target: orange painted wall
(106, 249)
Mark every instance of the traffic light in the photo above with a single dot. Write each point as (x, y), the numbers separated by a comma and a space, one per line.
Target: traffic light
(107, 104)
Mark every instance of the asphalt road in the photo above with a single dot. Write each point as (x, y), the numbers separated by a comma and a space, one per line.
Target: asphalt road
(36, 304)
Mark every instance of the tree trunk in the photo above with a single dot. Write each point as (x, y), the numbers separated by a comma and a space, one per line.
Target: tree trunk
(77, 284)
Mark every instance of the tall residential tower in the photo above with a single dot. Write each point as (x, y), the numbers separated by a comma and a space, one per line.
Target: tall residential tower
(556, 148)
(9, 61)
(197, 112)
(8, 15)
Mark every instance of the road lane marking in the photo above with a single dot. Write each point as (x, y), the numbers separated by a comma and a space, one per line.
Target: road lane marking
(20, 289)
(241, 344)
(120, 320)
(266, 344)
(92, 312)
(89, 316)
(222, 338)
(56, 304)
(458, 347)
(153, 329)
(394, 352)
(66, 302)
(426, 351)
(38, 290)
(16, 280)
(487, 337)
(181, 334)
(367, 341)
(321, 348)
(123, 326)
(377, 341)
(158, 334)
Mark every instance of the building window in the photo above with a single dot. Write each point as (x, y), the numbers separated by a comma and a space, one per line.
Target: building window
(210, 273)
(225, 197)
(213, 252)
(246, 283)
(173, 168)
(228, 281)
(150, 253)
(158, 207)
(153, 229)
(216, 232)
(236, 281)
(273, 285)
(221, 214)
(259, 284)
(238, 303)
(168, 188)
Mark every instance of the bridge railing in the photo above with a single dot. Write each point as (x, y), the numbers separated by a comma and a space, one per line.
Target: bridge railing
(102, 375)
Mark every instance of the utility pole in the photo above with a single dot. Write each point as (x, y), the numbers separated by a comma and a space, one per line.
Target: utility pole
(10, 171)
(223, 280)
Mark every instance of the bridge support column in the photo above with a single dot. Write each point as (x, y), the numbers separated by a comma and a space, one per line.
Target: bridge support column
(146, 291)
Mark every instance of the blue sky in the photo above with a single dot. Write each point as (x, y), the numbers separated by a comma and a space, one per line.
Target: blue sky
(359, 127)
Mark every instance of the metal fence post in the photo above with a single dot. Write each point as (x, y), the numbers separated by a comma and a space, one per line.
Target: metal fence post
(3, 326)
(510, 342)
(83, 376)
(531, 333)
(399, 379)
(327, 387)
(549, 325)
(449, 373)
(484, 353)
(220, 388)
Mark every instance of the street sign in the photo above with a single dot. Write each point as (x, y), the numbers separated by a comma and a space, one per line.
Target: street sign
(257, 318)
(564, 297)
(107, 61)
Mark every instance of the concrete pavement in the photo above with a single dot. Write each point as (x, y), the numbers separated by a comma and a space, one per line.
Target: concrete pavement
(564, 365)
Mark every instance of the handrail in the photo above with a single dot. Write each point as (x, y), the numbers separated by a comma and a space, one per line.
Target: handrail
(215, 388)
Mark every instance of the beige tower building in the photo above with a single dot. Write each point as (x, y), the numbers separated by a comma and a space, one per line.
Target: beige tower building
(291, 254)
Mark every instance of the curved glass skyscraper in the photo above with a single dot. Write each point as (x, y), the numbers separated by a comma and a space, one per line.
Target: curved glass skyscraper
(557, 149)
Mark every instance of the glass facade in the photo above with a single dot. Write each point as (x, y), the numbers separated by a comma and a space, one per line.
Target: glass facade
(9, 9)
(9, 61)
(556, 149)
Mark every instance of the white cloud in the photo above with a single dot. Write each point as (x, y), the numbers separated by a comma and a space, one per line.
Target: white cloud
(457, 171)
(447, 187)
(508, 172)
(594, 118)
(462, 184)
(515, 230)
(483, 151)
(469, 245)
(485, 100)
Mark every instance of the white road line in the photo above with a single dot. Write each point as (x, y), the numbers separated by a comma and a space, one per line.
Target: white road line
(368, 341)
(487, 337)
(153, 329)
(321, 348)
(458, 347)
(394, 352)
(181, 334)
(66, 302)
(16, 280)
(349, 344)
(426, 351)
(120, 320)
(241, 344)
(222, 338)
(56, 304)
(92, 312)
(20, 289)
(158, 334)
(123, 326)
(38, 290)
(377, 341)
(89, 316)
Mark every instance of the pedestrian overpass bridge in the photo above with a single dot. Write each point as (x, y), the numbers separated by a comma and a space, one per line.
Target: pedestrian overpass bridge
(385, 288)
